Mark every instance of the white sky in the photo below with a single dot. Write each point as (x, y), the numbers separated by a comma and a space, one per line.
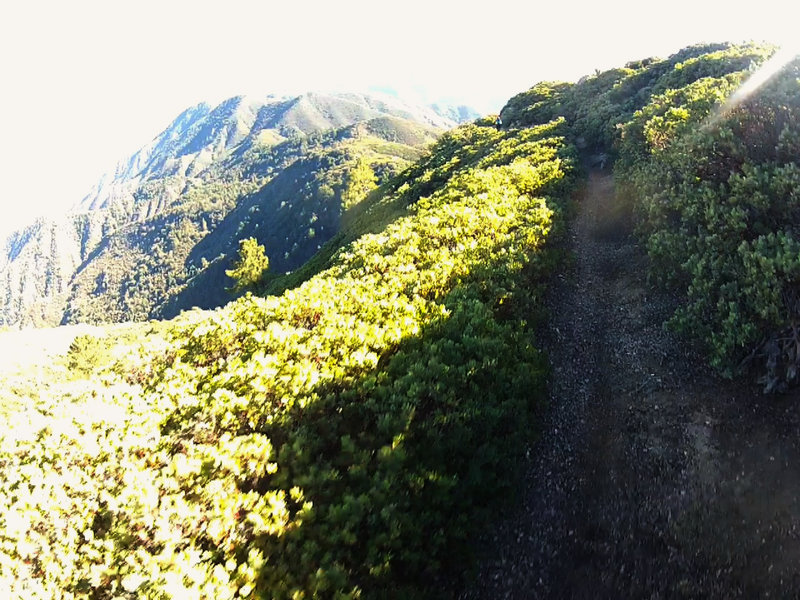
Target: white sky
(85, 83)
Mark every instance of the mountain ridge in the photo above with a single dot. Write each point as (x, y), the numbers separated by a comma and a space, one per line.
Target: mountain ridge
(241, 138)
(283, 116)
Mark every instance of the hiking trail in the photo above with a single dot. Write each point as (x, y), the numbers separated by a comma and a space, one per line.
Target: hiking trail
(652, 477)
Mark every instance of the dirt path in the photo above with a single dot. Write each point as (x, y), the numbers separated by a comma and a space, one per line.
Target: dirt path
(652, 478)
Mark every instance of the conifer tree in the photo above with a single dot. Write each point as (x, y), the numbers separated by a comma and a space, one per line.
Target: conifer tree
(250, 267)
(360, 181)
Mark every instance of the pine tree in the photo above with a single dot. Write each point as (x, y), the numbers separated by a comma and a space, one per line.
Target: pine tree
(359, 182)
(251, 266)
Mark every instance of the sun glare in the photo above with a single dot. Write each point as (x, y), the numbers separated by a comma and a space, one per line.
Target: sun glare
(761, 76)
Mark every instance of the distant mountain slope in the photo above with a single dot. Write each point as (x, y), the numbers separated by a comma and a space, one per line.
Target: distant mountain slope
(202, 134)
(459, 114)
(449, 108)
(128, 247)
(37, 265)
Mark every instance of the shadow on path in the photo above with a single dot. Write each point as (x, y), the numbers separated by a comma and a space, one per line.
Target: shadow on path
(652, 478)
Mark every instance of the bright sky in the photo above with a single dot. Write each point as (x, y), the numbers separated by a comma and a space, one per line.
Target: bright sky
(85, 82)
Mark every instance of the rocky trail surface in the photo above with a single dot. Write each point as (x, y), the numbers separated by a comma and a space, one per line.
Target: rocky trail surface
(651, 478)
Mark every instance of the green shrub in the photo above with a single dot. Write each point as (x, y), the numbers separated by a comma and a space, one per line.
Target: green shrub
(86, 354)
(717, 193)
(714, 186)
(341, 440)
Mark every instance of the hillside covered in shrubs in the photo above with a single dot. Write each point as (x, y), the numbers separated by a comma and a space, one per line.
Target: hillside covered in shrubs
(710, 168)
(343, 432)
(337, 440)
(166, 221)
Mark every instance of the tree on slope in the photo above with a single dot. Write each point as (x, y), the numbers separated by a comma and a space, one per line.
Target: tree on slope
(250, 267)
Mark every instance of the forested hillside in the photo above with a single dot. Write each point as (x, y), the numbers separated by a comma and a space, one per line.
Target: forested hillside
(131, 248)
(290, 197)
(346, 433)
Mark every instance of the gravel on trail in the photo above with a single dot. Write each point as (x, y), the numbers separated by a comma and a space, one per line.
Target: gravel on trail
(651, 477)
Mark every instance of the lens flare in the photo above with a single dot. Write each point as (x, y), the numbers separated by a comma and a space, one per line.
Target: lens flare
(762, 75)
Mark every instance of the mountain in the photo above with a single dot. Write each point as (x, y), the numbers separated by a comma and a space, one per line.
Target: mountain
(38, 262)
(460, 113)
(448, 108)
(127, 249)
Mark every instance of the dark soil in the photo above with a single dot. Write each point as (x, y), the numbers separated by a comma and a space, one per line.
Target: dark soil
(652, 477)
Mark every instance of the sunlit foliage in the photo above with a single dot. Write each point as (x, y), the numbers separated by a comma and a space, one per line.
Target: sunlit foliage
(250, 267)
(713, 187)
(340, 440)
(171, 250)
(717, 193)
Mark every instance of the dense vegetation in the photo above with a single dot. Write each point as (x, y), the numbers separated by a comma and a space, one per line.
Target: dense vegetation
(718, 188)
(290, 196)
(337, 440)
(713, 179)
(160, 230)
(341, 437)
